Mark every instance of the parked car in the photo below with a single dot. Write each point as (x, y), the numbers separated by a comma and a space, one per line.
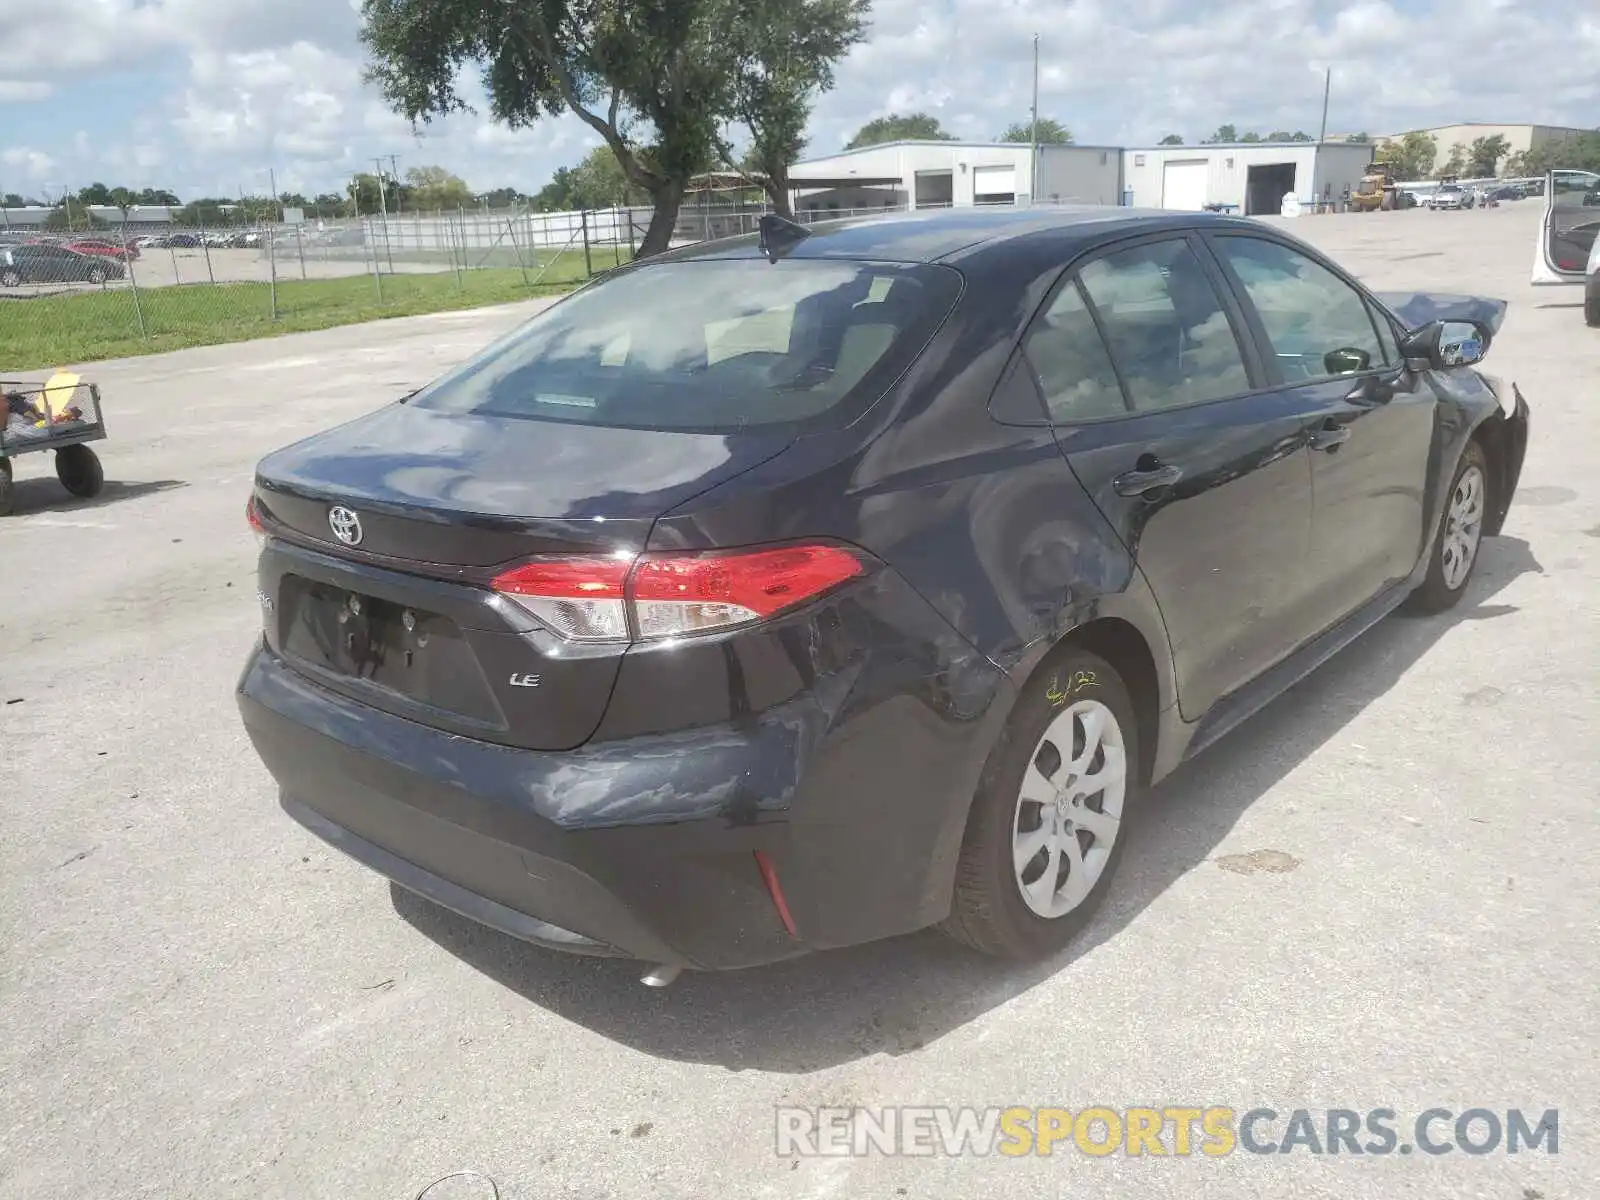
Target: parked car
(783, 593)
(54, 264)
(102, 249)
(184, 241)
(1568, 248)
(1506, 193)
(1449, 196)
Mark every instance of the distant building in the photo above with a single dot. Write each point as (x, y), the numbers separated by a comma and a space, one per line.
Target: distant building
(1520, 138)
(1251, 177)
(141, 218)
(946, 174)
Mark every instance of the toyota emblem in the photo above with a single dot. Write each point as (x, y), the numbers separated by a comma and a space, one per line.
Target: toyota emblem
(345, 524)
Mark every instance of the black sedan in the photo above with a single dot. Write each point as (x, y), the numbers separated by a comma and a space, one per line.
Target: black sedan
(790, 593)
(42, 263)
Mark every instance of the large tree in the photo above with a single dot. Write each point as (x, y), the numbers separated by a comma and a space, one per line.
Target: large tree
(597, 182)
(1412, 157)
(72, 217)
(783, 54)
(1576, 152)
(1485, 153)
(1051, 132)
(1456, 164)
(656, 81)
(433, 189)
(912, 127)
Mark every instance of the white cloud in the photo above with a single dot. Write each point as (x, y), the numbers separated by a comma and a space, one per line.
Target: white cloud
(25, 89)
(35, 166)
(253, 86)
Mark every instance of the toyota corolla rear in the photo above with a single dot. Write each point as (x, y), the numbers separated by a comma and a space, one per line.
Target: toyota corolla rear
(489, 672)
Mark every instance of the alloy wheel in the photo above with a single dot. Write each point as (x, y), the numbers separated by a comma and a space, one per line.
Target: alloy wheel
(1069, 808)
(1463, 528)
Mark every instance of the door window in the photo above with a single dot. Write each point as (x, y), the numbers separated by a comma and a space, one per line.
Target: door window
(1074, 369)
(1574, 219)
(1168, 333)
(1317, 324)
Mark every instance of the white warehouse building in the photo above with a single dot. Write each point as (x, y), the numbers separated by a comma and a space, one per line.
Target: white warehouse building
(1249, 177)
(942, 174)
(1252, 178)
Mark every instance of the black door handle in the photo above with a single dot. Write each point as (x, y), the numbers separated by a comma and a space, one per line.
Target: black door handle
(1149, 475)
(1329, 436)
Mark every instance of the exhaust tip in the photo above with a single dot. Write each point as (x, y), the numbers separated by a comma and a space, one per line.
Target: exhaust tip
(660, 975)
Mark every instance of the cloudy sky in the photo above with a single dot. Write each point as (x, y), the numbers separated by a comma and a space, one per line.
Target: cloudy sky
(203, 96)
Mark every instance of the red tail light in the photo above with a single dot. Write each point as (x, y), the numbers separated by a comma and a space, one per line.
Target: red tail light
(672, 595)
(254, 518)
(580, 598)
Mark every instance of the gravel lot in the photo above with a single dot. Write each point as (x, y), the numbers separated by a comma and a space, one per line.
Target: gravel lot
(199, 999)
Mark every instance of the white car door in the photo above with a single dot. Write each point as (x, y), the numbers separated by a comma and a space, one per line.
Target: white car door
(1567, 250)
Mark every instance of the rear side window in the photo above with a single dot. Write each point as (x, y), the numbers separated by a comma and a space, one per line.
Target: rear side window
(1168, 332)
(1072, 363)
(714, 345)
(1319, 325)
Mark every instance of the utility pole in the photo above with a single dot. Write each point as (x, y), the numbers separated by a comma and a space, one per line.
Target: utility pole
(1327, 86)
(383, 204)
(394, 169)
(1033, 132)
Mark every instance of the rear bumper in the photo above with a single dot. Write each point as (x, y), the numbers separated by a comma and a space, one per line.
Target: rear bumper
(639, 848)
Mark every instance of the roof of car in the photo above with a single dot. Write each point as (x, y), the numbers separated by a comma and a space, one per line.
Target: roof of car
(929, 236)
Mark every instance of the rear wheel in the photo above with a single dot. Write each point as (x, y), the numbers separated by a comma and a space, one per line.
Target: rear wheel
(97, 274)
(1047, 826)
(79, 470)
(8, 495)
(10, 277)
(1455, 550)
(1591, 302)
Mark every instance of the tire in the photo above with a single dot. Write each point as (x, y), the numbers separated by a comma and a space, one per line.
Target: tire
(10, 277)
(989, 911)
(8, 493)
(1460, 533)
(1591, 302)
(97, 275)
(79, 470)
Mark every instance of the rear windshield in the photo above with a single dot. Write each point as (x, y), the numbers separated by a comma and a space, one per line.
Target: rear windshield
(711, 344)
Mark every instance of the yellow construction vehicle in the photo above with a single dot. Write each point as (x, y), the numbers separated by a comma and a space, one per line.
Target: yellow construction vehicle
(1376, 189)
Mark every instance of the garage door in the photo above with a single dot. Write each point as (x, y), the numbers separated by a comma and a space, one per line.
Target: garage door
(994, 185)
(1183, 185)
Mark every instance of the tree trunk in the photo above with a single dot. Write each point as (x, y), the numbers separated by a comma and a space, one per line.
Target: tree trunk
(776, 184)
(667, 199)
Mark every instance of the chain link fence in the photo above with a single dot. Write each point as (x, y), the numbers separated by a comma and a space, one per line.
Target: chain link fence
(116, 289)
(113, 290)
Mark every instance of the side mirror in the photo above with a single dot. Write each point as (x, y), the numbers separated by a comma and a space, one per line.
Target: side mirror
(1446, 344)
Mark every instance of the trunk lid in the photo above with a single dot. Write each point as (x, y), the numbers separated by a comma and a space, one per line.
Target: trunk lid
(403, 618)
(459, 491)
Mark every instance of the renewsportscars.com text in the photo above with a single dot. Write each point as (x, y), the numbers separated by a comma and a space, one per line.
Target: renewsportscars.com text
(1173, 1131)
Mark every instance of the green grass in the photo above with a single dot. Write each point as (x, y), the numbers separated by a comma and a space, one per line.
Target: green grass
(53, 331)
(567, 259)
